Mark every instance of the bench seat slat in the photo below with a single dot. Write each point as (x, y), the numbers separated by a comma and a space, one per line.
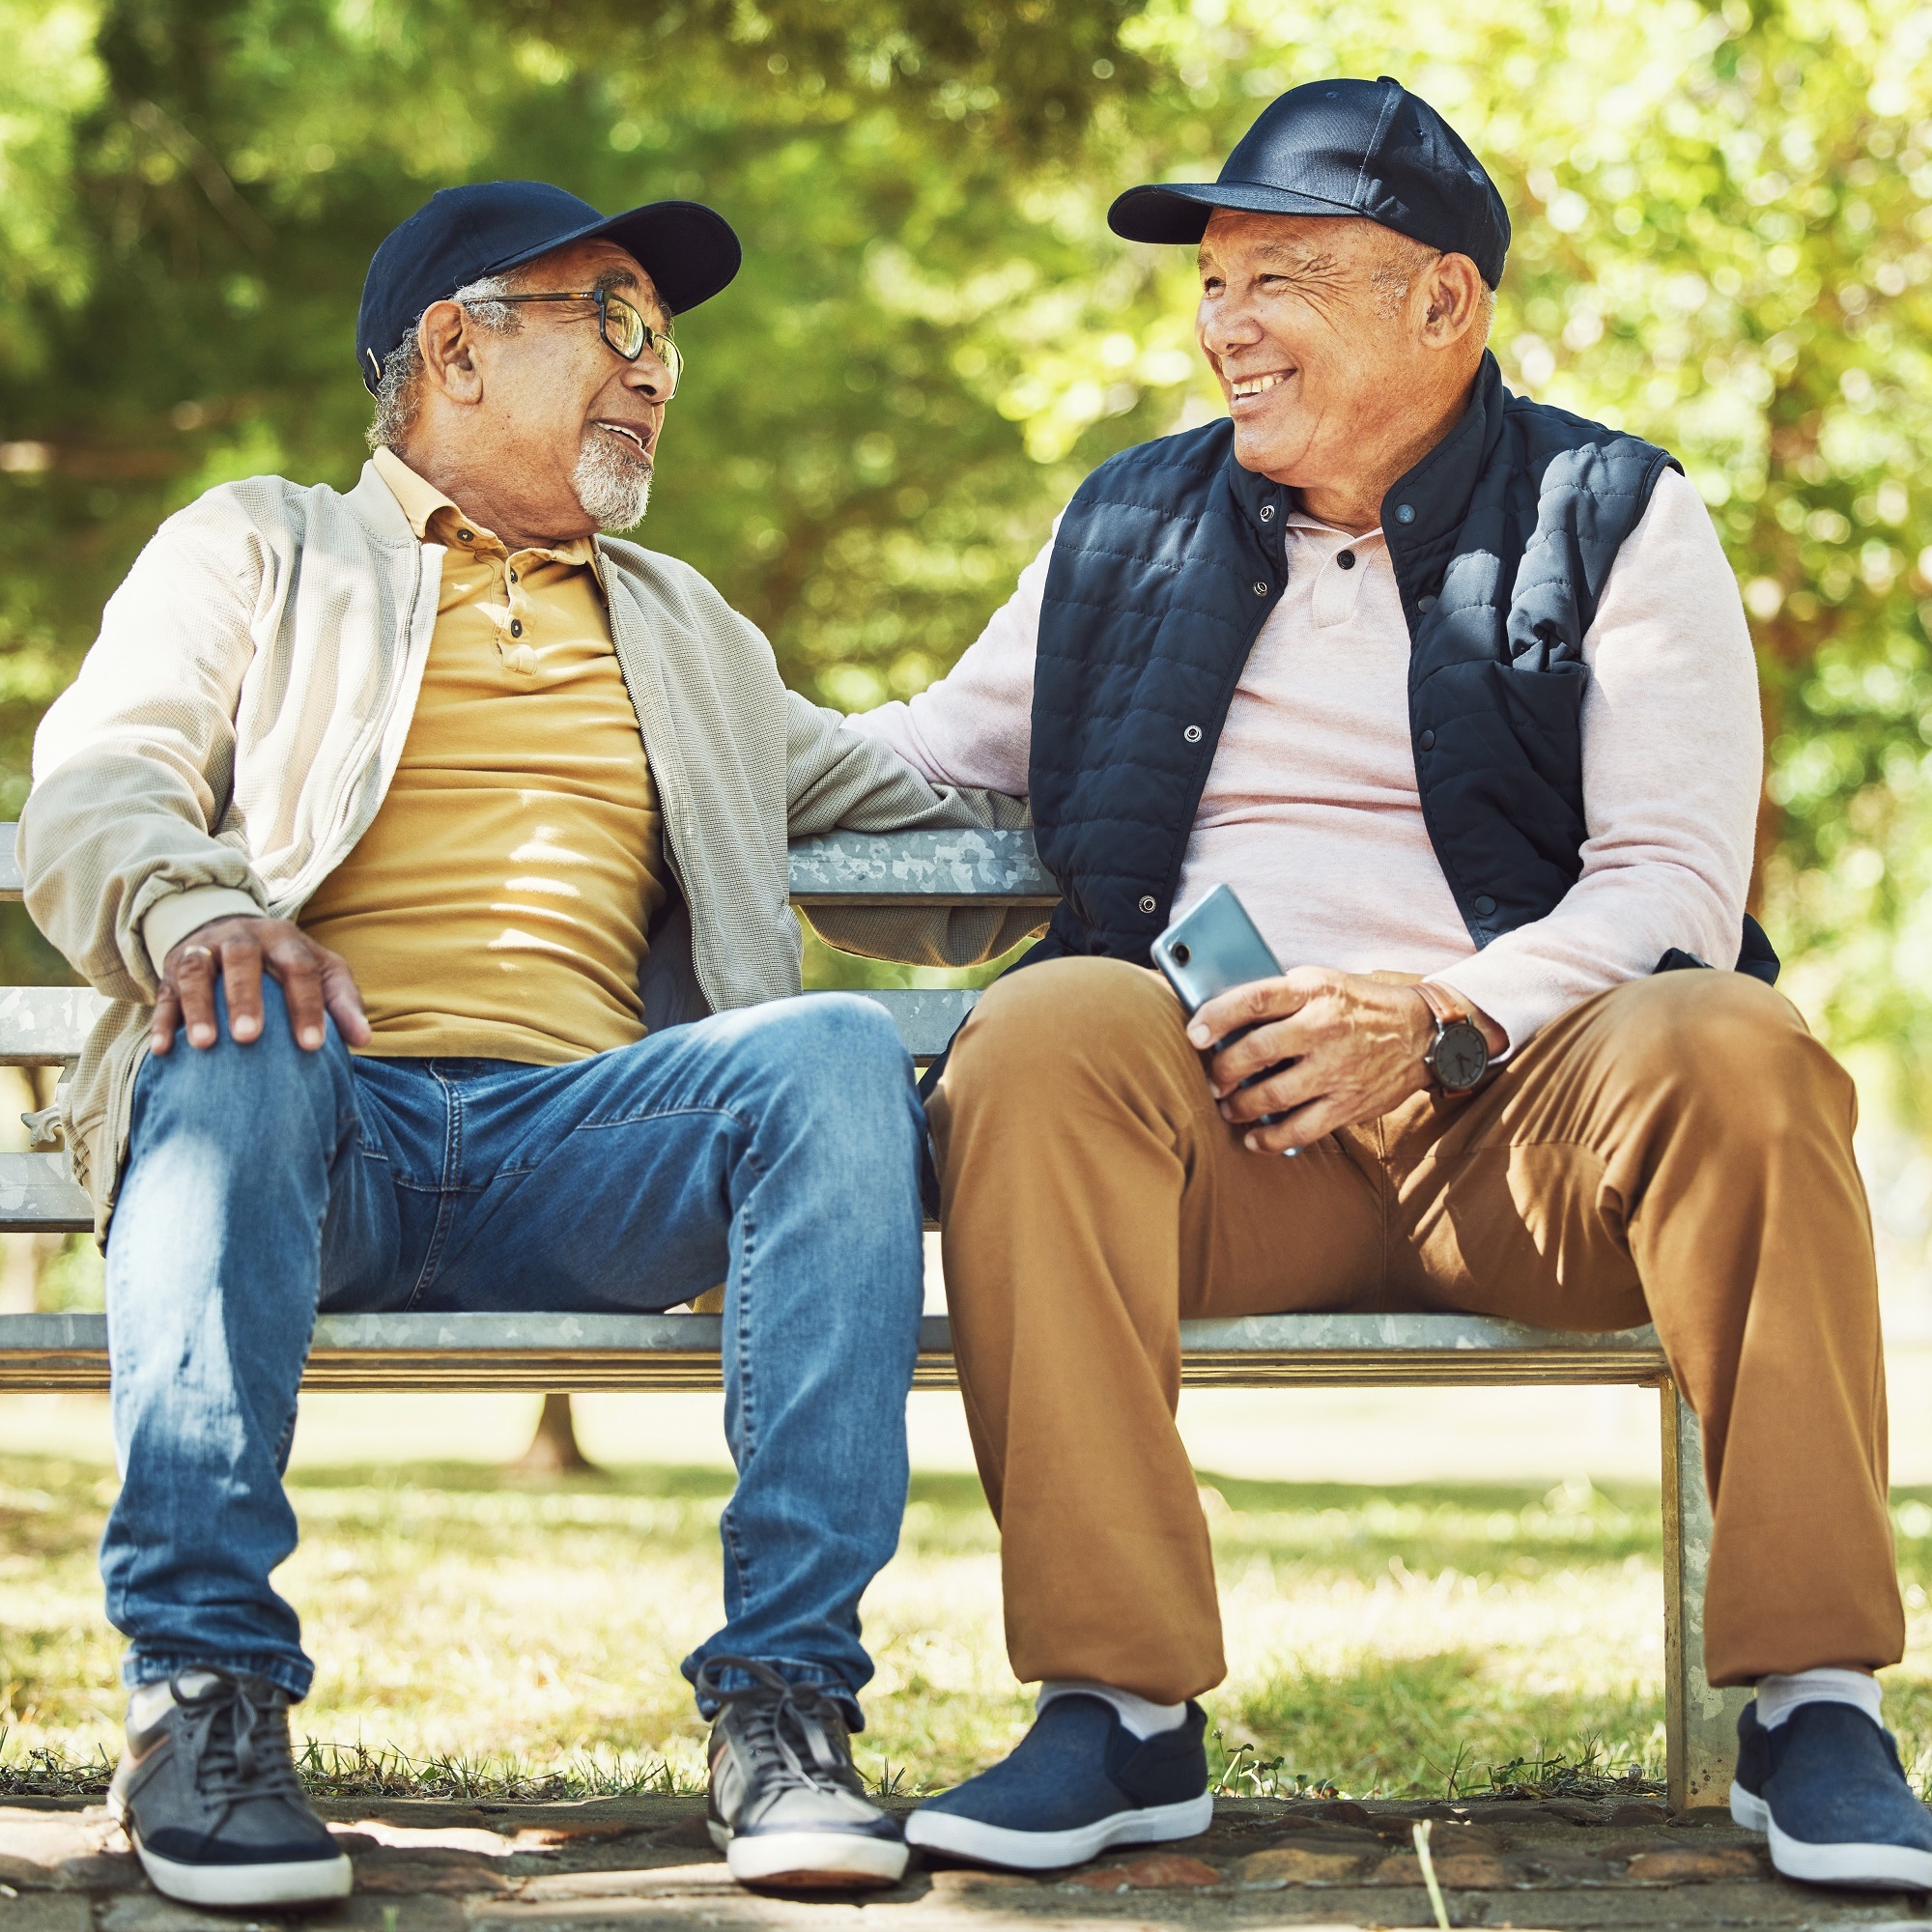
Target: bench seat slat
(545, 1352)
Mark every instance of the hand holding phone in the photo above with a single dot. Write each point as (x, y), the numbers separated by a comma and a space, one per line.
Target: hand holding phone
(1213, 948)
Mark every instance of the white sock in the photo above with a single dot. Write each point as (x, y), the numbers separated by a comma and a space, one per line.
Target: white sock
(147, 1701)
(1142, 1717)
(1778, 1696)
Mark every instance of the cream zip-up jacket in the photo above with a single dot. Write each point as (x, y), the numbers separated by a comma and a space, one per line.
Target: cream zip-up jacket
(237, 723)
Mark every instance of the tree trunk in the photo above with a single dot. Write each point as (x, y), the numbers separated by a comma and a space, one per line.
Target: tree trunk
(553, 1449)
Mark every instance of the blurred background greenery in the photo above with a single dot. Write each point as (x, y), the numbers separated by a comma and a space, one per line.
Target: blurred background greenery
(1723, 219)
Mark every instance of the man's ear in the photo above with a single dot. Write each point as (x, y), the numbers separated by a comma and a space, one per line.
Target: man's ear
(1451, 298)
(448, 352)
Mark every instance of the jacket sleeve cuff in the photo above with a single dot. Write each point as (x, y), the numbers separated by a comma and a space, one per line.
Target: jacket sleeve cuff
(171, 920)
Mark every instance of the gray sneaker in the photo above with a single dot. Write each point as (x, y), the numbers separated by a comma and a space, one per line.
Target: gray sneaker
(787, 1808)
(209, 1794)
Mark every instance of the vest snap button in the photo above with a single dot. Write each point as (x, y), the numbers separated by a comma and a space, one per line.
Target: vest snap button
(1485, 906)
(1260, 588)
(1425, 603)
(1427, 741)
(1148, 905)
(1267, 513)
(1192, 734)
(1405, 513)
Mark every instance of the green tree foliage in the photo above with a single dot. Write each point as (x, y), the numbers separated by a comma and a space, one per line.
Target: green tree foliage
(1723, 221)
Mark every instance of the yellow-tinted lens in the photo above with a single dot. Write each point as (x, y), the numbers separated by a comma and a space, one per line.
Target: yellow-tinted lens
(626, 326)
(630, 334)
(670, 355)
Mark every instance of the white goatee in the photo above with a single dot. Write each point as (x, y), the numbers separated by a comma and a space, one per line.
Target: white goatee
(612, 481)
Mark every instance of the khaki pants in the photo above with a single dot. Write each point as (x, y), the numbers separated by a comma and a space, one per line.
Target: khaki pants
(1678, 1150)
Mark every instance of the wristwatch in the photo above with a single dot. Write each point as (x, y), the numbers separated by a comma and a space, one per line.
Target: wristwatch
(1459, 1056)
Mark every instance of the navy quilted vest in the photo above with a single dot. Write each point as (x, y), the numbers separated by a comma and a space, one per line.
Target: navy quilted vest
(1171, 556)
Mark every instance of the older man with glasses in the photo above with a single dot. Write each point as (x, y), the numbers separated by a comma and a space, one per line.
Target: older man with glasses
(451, 836)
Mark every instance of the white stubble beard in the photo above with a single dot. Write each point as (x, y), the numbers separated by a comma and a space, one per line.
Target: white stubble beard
(612, 482)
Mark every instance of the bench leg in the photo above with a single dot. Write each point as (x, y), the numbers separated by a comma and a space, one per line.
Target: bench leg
(1700, 1724)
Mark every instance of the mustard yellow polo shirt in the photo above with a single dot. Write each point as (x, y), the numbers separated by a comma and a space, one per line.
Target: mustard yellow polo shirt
(499, 905)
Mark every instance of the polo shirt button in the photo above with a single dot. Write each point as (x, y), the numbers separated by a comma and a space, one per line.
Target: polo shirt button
(1405, 513)
(1346, 559)
(1192, 734)
(516, 627)
(1148, 905)
(1261, 589)
(1427, 741)
(466, 536)
(1485, 906)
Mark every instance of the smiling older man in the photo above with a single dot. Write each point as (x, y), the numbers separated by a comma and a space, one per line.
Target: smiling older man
(1456, 692)
(500, 809)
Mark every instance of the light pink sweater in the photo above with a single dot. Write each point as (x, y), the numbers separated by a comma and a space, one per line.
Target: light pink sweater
(1311, 809)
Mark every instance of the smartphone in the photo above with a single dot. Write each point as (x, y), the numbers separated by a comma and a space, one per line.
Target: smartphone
(1214, 948)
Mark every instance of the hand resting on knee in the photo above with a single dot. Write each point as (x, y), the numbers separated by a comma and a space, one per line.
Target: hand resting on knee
(314, 981)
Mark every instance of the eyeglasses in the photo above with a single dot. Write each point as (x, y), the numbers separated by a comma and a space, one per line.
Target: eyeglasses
(623, 329)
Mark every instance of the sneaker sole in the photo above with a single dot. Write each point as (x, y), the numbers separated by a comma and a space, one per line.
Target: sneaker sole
(1748, 1810)
(1863, 1868)
(289, 1881)
(1049, 1851)
(811, 1860)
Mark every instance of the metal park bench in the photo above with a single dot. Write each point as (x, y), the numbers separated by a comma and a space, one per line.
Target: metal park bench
(44, 1026)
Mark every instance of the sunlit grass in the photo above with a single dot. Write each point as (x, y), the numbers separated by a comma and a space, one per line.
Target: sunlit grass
(475, 1635)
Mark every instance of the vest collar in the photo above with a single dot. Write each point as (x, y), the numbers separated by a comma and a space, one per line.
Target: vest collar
(1264, 504)
(1425, 510)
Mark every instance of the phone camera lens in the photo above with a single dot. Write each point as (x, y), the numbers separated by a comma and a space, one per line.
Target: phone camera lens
(1179, 954)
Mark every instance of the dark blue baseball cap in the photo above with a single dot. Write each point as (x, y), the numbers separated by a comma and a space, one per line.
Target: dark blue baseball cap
(1366, 148)
(463, 234)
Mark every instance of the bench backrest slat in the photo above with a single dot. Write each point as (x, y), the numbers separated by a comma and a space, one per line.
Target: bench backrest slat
(860, 869)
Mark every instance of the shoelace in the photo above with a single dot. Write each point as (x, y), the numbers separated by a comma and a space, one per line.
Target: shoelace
(773, 1715)
(239, 1738)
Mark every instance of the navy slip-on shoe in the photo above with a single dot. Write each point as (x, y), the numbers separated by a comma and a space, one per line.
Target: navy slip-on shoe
(1748, 1805)
(1827, 1789)
(1077, 1783)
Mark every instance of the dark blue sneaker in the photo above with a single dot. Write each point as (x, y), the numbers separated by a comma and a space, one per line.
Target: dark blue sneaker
(1078, 1783)
(1826, 1787)
(1748, 1805)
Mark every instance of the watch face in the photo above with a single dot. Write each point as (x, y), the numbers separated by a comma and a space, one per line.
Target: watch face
(1460, 1058)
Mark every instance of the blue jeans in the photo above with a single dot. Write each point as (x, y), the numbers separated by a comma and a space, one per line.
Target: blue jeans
(774, 1149)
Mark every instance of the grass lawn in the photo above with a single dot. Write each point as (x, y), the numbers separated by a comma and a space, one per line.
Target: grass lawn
(472, 1632)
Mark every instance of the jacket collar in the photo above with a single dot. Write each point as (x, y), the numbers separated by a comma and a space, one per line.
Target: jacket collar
(373, 504)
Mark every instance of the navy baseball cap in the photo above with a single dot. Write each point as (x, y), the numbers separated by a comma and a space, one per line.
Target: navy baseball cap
(463, 234)
(1366, 148)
